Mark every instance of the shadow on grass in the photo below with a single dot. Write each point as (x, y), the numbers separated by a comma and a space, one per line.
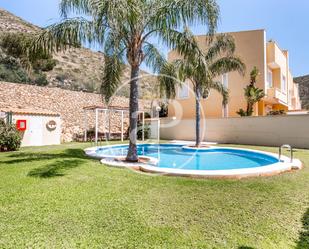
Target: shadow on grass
(303, 241)
(55, 169)
(52, 164)
(25, 157)
(245, 247)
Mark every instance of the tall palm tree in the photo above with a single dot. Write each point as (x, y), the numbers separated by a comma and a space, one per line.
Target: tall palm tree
(125, 28)
(202, 68)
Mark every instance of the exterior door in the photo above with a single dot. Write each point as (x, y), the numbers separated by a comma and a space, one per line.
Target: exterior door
(35, 131)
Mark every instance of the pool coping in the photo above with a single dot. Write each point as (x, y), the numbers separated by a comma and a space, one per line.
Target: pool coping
(273, 169)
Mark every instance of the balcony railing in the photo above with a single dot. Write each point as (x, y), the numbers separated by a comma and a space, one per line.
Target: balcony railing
(277, 95)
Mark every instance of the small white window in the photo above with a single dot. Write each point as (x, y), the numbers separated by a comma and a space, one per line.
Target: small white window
(283, 84)
(225, 80)
(183, 91)
(269, 79)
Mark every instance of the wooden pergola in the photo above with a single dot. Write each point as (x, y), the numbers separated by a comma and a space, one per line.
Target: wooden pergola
(107, 111)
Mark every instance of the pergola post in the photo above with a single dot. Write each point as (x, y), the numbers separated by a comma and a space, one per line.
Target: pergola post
(159, 124)
(85, 126)
(109, 125)
(105, 121)
(143, 126)
(121, 126)
(96, 125)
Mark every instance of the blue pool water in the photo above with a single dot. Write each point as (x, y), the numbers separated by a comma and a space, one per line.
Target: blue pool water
(174, 156)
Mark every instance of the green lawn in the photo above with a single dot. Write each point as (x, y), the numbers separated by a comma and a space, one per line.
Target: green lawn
(55, 197)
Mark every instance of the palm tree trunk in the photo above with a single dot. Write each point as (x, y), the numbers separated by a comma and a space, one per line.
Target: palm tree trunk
(133, 109)
(198, 117)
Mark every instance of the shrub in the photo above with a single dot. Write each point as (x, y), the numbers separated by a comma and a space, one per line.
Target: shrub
(140, 131)
(61, 77)
(40, 79)
(276, 113)
(45, 65)
(11, 71)
(10, 138)
(20, 46)
(163, 113)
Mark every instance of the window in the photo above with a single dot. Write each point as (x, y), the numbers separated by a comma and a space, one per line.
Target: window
(225, 80)
(283, 84)
(269, 79)
(183, 91)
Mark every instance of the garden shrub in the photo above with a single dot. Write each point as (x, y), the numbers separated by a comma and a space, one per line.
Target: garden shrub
(10, 137)
(276, 113)
(140, 131)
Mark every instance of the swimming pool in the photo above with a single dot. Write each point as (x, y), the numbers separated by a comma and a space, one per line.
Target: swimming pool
(181, 160)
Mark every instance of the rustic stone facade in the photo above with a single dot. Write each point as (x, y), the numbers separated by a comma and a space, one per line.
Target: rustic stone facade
(69, 104)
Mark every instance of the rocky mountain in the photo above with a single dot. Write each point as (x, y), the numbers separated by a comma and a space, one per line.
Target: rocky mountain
(79, 68)
(303, 82)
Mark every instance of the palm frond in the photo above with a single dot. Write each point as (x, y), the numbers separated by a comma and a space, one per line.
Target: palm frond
(227, 64)
(153, 57)
(69, 33)
(82, 7)
(168, 80)
(113, 71)
(221, 44)
(171, 14)
(219, 87)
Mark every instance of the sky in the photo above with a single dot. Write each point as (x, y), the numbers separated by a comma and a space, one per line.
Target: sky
(285, 21)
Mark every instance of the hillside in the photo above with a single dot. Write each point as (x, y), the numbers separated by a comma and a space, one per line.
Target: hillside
(77, 69)
(303, 82)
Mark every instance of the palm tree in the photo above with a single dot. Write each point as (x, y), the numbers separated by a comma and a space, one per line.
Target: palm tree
(125, 28)
(202, 68)
(253, 94)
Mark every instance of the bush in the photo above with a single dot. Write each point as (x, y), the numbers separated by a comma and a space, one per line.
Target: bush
(276, 113)
(61, 77)
(163, 113)
(10, 138)
(40, 79)
(19, 45)
(11, 71)
(140, 131)
(44, 65)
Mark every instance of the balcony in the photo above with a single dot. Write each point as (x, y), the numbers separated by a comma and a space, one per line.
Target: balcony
(276, 96)
(276, 58)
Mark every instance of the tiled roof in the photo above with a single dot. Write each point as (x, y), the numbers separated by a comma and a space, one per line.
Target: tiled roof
(29, 111)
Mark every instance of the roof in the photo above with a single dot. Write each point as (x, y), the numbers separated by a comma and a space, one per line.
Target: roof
(93, 107)
(29, 111)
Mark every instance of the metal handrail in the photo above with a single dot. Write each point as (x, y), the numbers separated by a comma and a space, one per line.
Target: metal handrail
(286, 146)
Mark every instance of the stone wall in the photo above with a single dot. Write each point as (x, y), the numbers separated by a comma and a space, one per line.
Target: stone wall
(69, 104)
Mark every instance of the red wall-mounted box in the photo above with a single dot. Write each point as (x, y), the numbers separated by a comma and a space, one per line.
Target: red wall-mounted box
(21, 125)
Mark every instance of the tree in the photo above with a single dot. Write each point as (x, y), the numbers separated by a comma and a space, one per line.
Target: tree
(253, 94)
(126, 28)
(202, 68)
(19, 46)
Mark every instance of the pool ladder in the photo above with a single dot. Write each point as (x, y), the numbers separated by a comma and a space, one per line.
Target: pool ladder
(286, 146)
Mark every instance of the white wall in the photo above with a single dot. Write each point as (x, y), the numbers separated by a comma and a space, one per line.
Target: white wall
(37, 133)
(268, 131)
(153, 125)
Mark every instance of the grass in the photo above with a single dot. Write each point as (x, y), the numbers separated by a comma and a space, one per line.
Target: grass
(54, 197)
